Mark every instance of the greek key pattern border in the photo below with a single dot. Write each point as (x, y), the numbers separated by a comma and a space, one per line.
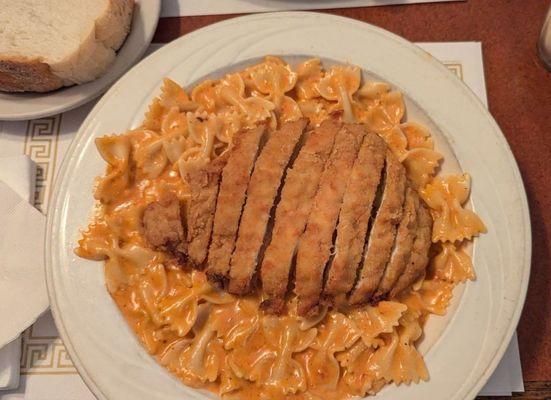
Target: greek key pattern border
(41, 143)
(43, 355)
(455, 67)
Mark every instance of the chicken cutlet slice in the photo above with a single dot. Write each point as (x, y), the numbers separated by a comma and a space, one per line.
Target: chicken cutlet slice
(300, 187)
(354, 217)
(420, 252)
(163, 227)
(383, 231)
(203, 177)
(231, 197)
(263, 187)
(401, 254)
(315, 243)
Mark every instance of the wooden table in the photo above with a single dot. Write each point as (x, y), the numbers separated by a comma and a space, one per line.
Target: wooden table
(519, 94)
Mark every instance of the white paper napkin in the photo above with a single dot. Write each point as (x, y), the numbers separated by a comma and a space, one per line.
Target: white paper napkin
(9, 364)
(174, 8)
(22, 288)
(19, 173)
(23, 294)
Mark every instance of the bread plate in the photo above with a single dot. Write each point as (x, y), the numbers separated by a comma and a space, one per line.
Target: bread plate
(22, 106)
(461, 350)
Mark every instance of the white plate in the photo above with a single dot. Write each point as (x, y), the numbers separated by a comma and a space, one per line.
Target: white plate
(21, 106)
(461, 349)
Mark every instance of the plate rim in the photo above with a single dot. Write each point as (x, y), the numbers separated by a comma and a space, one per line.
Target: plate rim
(153, 11)
(478, 382)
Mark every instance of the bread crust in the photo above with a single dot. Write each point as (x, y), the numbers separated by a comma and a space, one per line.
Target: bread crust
(112, 28)
(23, 74)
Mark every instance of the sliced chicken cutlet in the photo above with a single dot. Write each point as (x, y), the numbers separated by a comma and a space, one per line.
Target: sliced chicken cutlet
(263, 187)
(401, 254)
(300, 187)
(203, 177)
(420, 252)
(383, 231)
(354, 217)
(315, 243)
(162, 222)
(231, 197)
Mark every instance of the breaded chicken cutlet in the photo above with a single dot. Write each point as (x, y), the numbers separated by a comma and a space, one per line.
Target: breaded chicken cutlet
(324, 213)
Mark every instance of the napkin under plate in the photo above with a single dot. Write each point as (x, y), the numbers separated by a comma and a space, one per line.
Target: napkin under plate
(23, 295)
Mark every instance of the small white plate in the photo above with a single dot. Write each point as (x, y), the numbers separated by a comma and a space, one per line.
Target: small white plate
(22, 106)
(461, 349)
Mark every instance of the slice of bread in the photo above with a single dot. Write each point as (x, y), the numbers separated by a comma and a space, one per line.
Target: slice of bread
(47, 44)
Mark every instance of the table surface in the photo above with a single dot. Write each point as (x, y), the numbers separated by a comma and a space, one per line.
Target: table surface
(519, 95)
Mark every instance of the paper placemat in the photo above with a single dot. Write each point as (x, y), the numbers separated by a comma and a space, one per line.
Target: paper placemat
(175, 8)
(46, 369)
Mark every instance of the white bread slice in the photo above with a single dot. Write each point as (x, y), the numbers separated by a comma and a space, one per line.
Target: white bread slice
(47, 44)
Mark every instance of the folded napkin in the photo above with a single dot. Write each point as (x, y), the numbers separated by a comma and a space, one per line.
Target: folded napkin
(23, 294)
(10, 355)
(19, 173)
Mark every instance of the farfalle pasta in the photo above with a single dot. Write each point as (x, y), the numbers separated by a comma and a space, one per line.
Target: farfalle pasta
(373, 321)
(446, 196)
(338, 85)
(452, 264)
(309, 74)
(336, 334)
(272, 80)
(172, 95)
(228, 344)
(421, 165)
(387, 113)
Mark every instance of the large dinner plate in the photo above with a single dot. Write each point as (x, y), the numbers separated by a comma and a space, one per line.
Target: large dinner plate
(461, 349)
(21, 106)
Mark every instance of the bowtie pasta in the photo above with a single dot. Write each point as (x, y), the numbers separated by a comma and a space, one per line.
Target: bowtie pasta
(213, 340)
